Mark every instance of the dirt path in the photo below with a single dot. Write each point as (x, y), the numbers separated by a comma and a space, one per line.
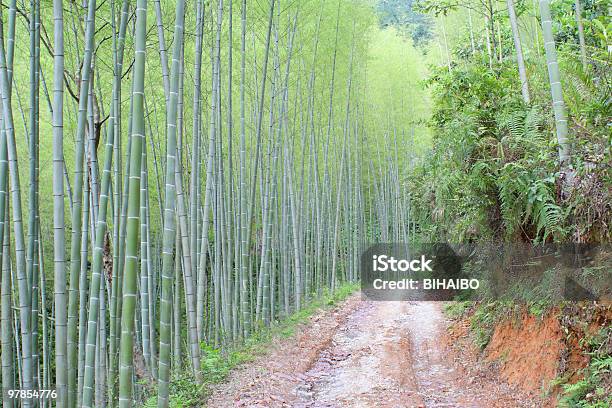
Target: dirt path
(365, 354)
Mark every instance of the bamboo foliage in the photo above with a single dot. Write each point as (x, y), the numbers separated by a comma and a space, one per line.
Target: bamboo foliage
(133, 226)
(200, 193)
(75, 254)
(22, 278)
(520, 60)
(581, 41)
(555, 84)
(169, 216)
(59, 250)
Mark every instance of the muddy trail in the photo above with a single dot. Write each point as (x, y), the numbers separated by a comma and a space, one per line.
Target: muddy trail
(368, 354)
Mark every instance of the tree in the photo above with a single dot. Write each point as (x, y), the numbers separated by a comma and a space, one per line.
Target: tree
(59, 249)
(169, 233)
(556, 90)
(126, 362)
(583, 55)
(519, 52)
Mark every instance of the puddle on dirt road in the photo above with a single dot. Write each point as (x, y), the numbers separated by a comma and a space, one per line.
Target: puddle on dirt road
(390, 354)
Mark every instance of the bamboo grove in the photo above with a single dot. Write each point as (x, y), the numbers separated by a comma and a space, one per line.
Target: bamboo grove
(195, 172)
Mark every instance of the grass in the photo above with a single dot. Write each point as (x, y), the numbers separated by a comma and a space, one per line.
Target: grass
(483, 321)
(217, 364)
(456, 310)
(482, 317)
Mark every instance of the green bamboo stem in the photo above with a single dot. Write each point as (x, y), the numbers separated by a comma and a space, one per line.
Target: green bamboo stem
(169, 233)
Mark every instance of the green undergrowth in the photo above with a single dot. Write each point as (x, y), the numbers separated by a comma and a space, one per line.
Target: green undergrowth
(594, 389)
(217, 363)
(456, 310)
(493, 171)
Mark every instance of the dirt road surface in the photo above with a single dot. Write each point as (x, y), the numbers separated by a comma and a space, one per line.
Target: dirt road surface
(367, 354)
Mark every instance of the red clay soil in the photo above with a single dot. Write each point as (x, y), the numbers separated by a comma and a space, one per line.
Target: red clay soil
(528, 353)
(369, 354)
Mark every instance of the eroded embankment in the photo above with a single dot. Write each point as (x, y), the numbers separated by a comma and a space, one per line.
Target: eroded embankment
(538, 354)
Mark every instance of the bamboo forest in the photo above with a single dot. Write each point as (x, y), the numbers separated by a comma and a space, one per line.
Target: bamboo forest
(187, 188)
